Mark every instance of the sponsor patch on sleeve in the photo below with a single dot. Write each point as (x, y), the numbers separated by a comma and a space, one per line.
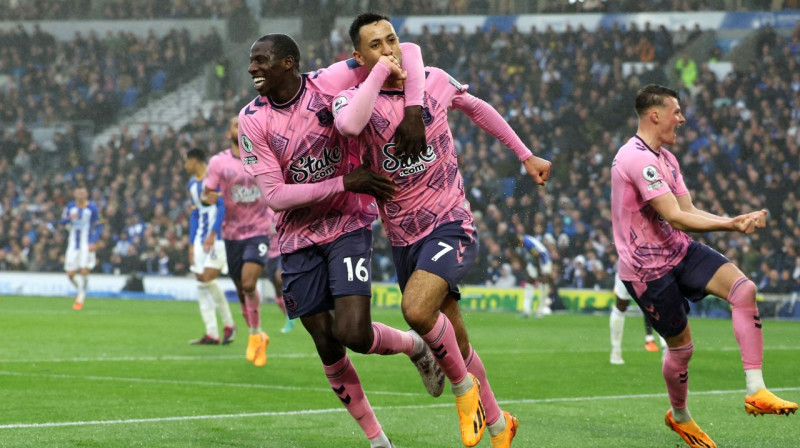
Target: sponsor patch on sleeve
(250, 160)
(655, 185)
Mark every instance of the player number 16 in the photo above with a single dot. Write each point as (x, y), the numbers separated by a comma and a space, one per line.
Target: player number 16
(361, 271)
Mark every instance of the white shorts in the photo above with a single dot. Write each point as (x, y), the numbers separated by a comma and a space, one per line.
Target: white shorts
(216, 259)
(77, 259)
(619, 289)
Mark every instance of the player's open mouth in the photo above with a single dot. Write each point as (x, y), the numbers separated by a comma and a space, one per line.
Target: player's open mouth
(258, 82)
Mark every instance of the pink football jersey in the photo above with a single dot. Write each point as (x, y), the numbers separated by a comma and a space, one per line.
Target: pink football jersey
(245, 208)
(431, 190)
(298, 140)
(647, 244)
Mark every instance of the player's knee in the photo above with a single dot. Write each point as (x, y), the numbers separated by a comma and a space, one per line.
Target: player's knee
(622, 305)
(417, 318)
(743, 292)
(248, 285)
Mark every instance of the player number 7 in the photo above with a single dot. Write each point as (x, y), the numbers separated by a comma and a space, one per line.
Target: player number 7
(447, 248)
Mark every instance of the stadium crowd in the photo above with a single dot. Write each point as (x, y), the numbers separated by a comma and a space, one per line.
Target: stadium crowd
(92, 77)
(564, 94)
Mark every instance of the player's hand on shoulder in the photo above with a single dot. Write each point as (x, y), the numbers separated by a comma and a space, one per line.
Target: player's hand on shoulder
(364, 180)
(538, 169)
(409, 137)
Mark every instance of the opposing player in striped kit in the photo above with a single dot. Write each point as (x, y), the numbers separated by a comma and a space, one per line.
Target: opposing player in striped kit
(83, 219)
(207, 253)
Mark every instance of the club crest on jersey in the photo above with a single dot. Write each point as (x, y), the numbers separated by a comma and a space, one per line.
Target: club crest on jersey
(405, 166)
(247, 145)
(325, 117)
(312, 168)
(650, 173)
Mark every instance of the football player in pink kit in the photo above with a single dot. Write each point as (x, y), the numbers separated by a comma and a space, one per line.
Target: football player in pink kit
(428, 220)
(245, 231)
(662, 267)
(305, 170)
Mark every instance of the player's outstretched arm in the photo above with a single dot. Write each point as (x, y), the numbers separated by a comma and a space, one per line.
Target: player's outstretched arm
(686, 204)
(488, 119)
(667, 206)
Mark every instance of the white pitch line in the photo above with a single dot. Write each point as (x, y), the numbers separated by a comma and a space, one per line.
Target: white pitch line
(192, 383)
(180, 358)
(156, 358)
(378, 408)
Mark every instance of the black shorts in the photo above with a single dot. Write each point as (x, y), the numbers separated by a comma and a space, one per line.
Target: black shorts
(250, 250)
(315, 276)
(449, 252)
(666, 299)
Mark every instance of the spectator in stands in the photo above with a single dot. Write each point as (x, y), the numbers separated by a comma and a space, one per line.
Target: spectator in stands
(687, 70)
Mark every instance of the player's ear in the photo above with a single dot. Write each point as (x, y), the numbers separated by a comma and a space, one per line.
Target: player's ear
(288, 62)
(357, 56)
(654, 115)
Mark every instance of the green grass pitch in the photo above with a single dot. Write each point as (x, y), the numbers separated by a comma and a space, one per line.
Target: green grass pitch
(121, 374)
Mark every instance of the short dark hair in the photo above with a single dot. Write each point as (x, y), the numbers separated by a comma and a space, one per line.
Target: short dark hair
(652, 95)
(283, 46)
(197, 154)
(364, 19)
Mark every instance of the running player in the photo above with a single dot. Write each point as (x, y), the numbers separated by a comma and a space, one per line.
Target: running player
(245, 232)
(83, 219)
(662, 267)
(207, 253)
(428, 220)
(305, 170)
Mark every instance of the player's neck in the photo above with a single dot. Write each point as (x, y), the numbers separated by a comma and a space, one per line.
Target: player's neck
(235, 150)
(288, 92)
(83, 203)
(201, 173)
(650, 139)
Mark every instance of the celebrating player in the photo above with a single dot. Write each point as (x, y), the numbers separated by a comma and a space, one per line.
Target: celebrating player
(428, 220)
(207, 253)
(244, 229)
(306, 171)
(85, 227)
(662, 267)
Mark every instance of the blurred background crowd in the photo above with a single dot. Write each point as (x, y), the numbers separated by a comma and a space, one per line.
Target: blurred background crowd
(565, 94)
